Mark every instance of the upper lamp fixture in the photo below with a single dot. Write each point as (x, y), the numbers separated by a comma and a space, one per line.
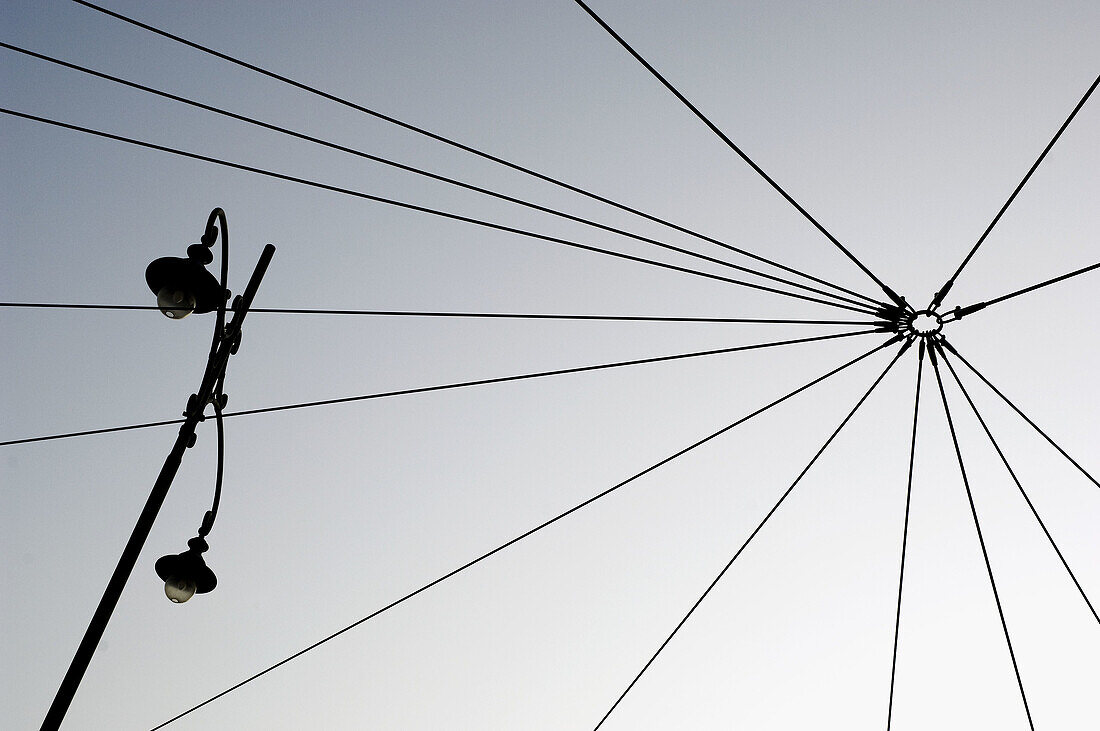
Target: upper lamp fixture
(183, 286)
(186, 574)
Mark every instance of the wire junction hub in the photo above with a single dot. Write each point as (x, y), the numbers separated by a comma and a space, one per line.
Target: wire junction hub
(923, 323)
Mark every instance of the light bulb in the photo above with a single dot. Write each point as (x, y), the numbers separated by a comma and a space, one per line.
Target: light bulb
(179, 590)
(176, 304)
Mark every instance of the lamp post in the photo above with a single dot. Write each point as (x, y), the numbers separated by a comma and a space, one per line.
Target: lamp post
(182, 286)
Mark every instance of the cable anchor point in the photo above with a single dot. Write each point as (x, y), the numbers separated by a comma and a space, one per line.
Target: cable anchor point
(921, 324)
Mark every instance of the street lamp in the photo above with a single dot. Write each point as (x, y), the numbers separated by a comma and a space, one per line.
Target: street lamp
(186, 574)
(182, 286)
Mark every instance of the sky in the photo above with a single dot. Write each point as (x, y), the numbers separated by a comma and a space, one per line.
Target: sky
(902, 127)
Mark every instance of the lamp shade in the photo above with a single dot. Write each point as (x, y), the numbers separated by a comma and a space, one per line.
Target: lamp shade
(186, 573)
(183, 286)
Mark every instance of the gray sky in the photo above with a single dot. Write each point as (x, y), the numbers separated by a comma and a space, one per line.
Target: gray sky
(901, 126)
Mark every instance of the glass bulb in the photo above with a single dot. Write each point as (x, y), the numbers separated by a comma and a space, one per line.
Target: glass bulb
(176, 304)
(179, 590)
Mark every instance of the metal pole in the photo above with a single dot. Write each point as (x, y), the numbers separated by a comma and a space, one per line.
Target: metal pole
(186, 438)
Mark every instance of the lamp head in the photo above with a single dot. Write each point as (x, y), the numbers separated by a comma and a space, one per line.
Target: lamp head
(186, 574)
(183, 286)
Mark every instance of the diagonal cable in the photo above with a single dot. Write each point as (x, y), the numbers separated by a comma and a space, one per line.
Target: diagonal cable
(458, 145)
(951, 281)
(748, 540)
(422, 209)
(981, 538)
(1022, 415)
(530, 532)
(729, 143)
(448, 386)
(960, 312)
(489, 315)
(423, 173)
(1020, 487)
(905, 535)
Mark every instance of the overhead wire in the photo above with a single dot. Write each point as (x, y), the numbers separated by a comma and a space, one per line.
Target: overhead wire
(424, 209)
(942, 292)
(449, 386)
(1021, 414)
(978, 529)
(894, 297)
(752, 535)
(905, 536)
(91, 432)
(424, 173)
(528, 533)
(959, 312)
(458, 145)
(1019, 486)
(489, 315)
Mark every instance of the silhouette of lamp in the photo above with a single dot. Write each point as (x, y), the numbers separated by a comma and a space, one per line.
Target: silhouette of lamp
(183, 286)
(186, 574)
